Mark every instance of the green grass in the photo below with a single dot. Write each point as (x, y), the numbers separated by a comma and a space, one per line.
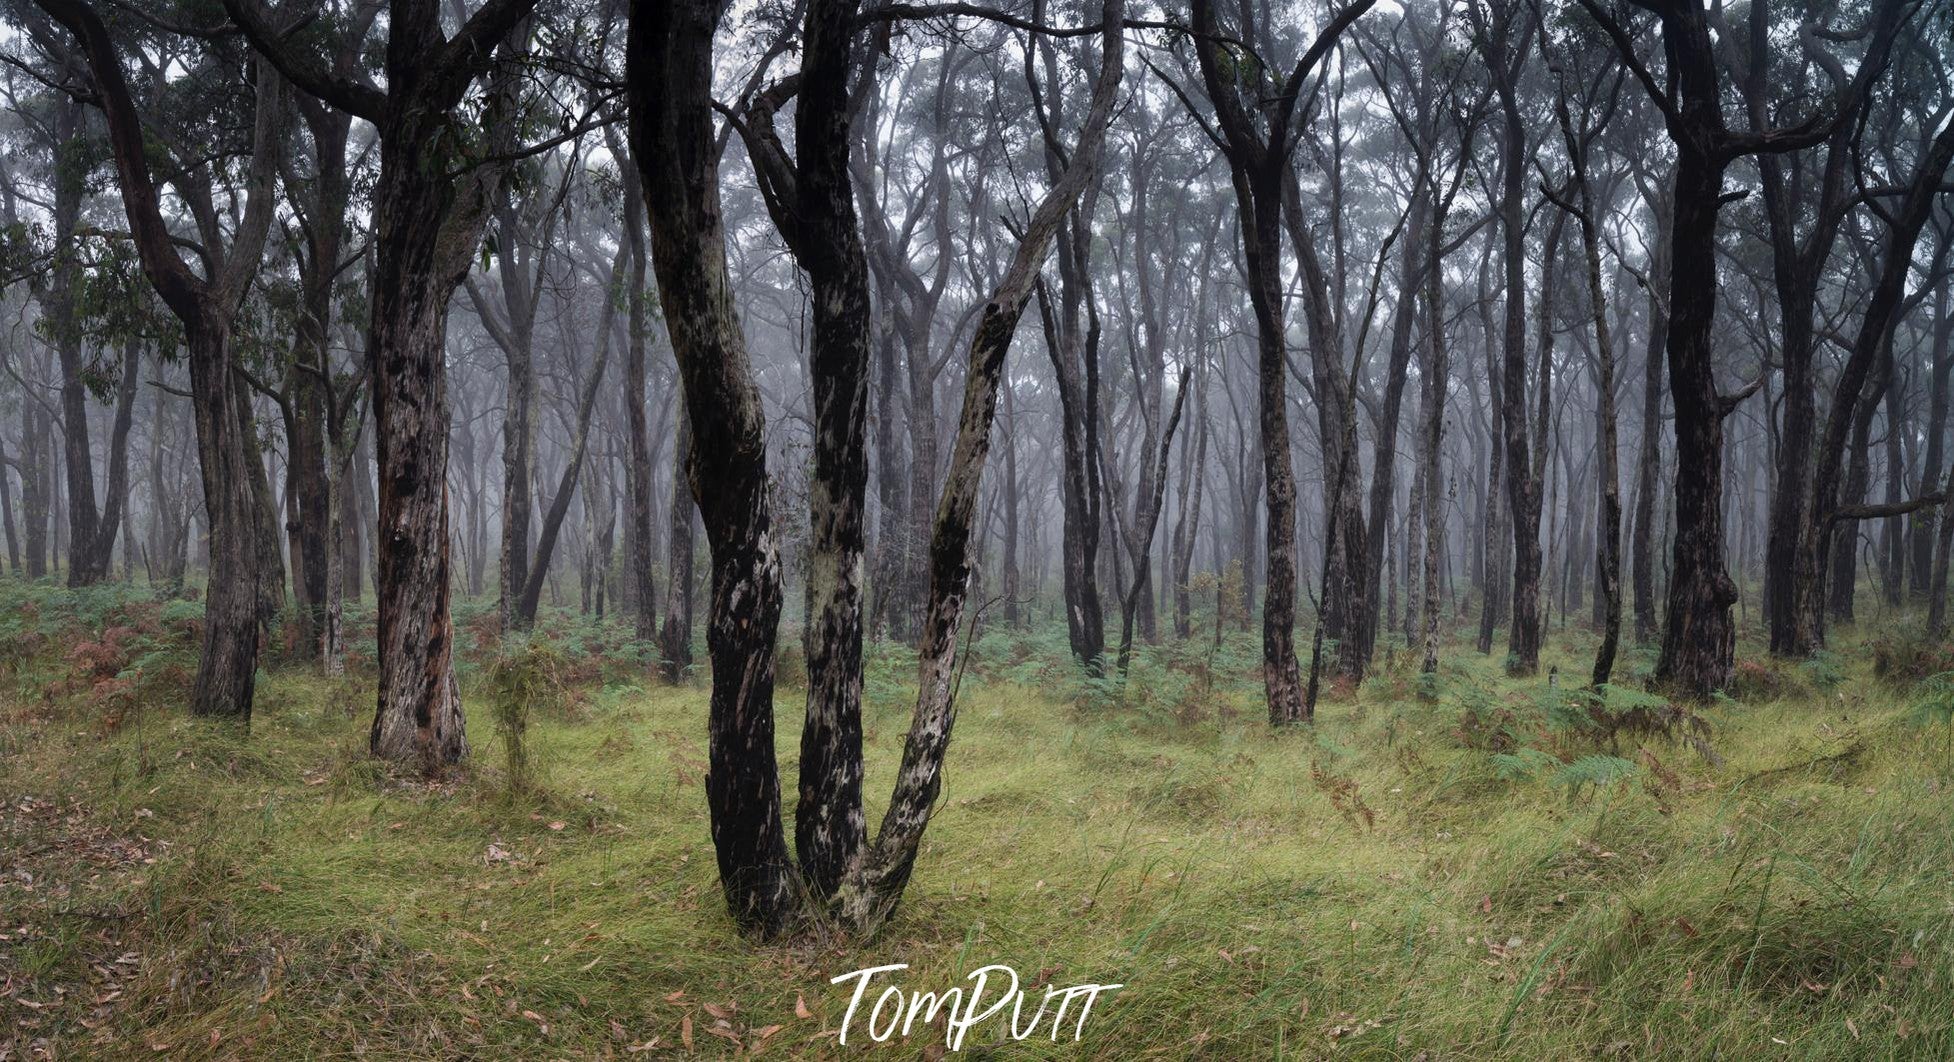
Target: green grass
(1369, 888)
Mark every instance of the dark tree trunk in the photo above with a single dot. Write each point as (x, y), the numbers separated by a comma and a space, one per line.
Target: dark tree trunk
(1798, 265)
(1384, 456)
(309, 381)
(91, 533)
(1077, 374)
(427, 226)
(1261, 229)
(352, 554)
(7, 510)
(1258, 140)
(1013, 578)
(1344, 605)
(1838, 578)
(1871, 345)
(812, 200)
(1142, 545)
(891, 481)
(531, 594)
(228, 666)
(1892, 552)
(1608, 559)
(669, 76)
(35, 486)
(1523, 480)
(1433, 384)
(1699, 638)
(1187, 528)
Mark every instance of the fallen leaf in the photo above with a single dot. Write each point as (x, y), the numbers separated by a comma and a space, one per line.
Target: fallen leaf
(800, 1007)
(685, 1032)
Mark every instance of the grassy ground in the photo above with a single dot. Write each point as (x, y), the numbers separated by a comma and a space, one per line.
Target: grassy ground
(1406, 880)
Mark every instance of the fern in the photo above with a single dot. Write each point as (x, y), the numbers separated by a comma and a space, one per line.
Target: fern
(1522, 763)
(1824, 671)
(1597, 771)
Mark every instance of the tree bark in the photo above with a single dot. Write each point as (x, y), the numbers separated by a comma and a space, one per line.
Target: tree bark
(669, 78)
(427, 225)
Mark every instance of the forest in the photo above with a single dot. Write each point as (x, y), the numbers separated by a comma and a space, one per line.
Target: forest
(1404, 529)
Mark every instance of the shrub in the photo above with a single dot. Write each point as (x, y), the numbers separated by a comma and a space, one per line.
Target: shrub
(528, 677)
(1755, 682)
(1908, 656)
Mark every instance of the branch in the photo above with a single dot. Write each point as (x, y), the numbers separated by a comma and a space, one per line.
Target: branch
(1626, 48)
(468, 52)
(1875, 512)
(1729, 403)
(362, 101)
(173, 281)
(1293, 87)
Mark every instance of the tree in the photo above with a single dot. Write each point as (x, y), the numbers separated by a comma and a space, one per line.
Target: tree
(1583, 207)
(429, 206)
(1257, 149)
(1699, 637)
(207, 307)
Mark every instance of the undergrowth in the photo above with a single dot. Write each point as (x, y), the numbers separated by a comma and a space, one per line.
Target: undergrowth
(1468, 865)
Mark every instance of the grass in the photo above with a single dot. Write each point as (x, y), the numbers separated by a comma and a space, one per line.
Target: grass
(1371, 888)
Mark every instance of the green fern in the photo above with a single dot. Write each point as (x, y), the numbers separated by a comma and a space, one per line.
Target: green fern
(1522, 763)
(1597, 771)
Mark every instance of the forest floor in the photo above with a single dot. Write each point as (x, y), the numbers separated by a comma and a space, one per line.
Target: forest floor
(1482, 871)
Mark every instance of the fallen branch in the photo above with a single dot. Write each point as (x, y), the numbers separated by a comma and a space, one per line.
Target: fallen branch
(1851, 752)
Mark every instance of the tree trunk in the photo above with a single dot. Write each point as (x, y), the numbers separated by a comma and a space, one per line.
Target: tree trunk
(227, 668)
(675, 638)
(1434, 381)
(644, 594)
(1522, 478)
(1142, 545)
(1648, 460)
(1924, 528)
(1699, 638)
(669, 76)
